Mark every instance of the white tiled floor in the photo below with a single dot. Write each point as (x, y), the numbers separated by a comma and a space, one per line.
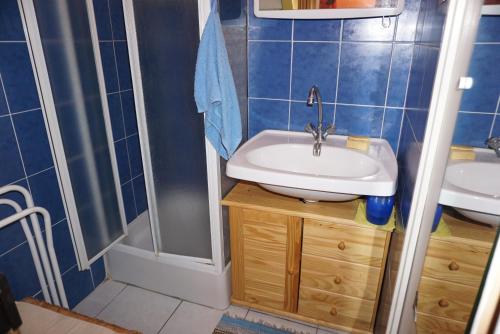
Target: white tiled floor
(152, 313)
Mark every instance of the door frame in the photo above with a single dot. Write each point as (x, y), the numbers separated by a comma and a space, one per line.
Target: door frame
(216, 263)
(47, 104)
(457, 45)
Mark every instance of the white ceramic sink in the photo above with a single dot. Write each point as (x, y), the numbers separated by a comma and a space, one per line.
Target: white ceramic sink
(472, 187)
(283, 162)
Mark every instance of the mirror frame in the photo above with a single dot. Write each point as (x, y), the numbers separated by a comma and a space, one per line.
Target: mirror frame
(339, 13)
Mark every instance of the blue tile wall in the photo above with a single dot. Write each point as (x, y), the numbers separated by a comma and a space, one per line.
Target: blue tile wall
(430, 22)
(26, 160)
(478, 116)
(114, 56)
(361, 67)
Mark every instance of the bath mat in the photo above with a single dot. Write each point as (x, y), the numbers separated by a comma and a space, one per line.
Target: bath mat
(229, 325)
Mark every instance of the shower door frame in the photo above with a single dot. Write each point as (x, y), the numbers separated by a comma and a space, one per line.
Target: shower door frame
(48, 107)
(216, 263)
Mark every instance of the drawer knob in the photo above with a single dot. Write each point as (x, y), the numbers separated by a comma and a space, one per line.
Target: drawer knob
(333, 311)
(337, 280)
(453, 266)
(443, 303)
(341, 245)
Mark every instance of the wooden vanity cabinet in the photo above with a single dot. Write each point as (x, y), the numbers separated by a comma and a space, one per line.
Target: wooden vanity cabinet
(452, 274)
(310, 261)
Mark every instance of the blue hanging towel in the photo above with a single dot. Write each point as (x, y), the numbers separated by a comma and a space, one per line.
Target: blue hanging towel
(214, 90)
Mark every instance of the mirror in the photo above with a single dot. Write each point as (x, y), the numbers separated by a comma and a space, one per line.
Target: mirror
(326, 9)
(491, 7)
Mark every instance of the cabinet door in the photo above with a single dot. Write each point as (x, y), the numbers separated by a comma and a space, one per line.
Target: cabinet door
(265, 253)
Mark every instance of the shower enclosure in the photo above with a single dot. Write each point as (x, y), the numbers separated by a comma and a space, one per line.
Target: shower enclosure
(176, 248)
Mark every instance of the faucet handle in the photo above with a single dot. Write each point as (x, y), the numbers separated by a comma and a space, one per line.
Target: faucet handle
(309, 128)
(330, 130)
(493, 142)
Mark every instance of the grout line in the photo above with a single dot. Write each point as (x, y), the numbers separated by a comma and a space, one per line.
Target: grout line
(25, 111)
(494, 118)
(92, 278)
(341, 33)
(290, 79)
(393, 47)
(126, 137)
(67, 270)
(476, 112)
(112, 299)
(170, 317)
(15, 41)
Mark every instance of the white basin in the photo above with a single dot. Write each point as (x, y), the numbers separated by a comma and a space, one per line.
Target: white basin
(282, 161)
(472, 187)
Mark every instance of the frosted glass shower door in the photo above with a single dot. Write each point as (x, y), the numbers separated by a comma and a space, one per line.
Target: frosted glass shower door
(163, 39)
(63, 43)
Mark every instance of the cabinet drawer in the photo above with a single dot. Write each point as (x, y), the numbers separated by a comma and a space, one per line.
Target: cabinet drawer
(339, 277)
(337, 309)
(445, 299)
(457, 263)
(344, 242)
(435, 325)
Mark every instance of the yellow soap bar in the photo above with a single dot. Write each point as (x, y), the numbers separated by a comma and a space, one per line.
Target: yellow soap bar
(358, 143)
(462, 153)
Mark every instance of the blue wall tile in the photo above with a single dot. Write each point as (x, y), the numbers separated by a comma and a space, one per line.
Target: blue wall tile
(129, 112)
(33, 140)
(496, 127)
(134, 151)
(360, 121)
(370, 29)
(267, 114)
(4, 108)
(485, 70)
(140, 194)
(18, 267)
(116, 115)
(63, 246)
(45, 192)
(364, 69)
(314, 64)
(392, 127)
(11, 235)
(472, 129)
(122, 160)
(17, 75)
(102, 17)
(401, 60)
(267, 29)
(301, 114)
(269, 69)
(316, 30)
(98, 271)
(489, 29)
(117, 20)
(128, 199)
(10, 160)
(11, 27)
(109, 66)
(123, 65)
(78, 285)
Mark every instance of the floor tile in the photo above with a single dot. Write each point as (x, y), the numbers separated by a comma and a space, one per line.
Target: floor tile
(280, 323)
(99, 298)
(140, 309)
(192, 318)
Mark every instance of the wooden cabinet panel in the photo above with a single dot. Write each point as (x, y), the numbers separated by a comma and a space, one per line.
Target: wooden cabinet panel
(336, 309)
(445, 299)
(427, 324)
(344, 242)
(266, 250)
(340, 277)
(455, 262)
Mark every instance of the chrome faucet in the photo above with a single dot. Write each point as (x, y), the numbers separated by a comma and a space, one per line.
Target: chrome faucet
(317, 131)
(494, 144)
